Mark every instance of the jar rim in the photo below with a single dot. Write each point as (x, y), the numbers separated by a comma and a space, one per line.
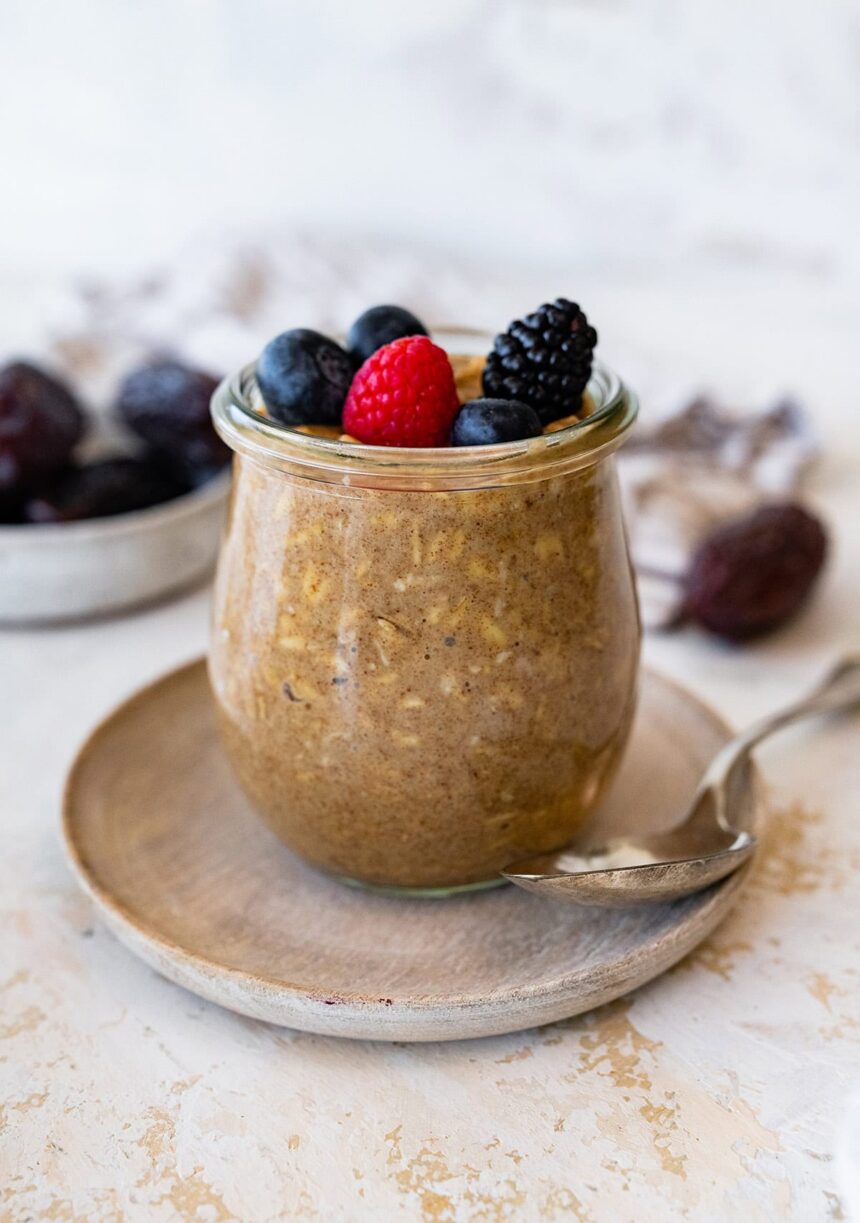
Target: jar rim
(250, 433)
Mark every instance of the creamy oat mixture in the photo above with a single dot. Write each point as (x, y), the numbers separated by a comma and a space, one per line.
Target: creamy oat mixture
(416, 688)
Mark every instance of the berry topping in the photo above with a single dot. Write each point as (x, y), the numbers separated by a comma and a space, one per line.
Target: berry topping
(40, 424)
(304, 378)
(486, 421)
(97, 490)
(754, 573)
(544, 360)
(167, 404)
(403, 395)
(378, 326)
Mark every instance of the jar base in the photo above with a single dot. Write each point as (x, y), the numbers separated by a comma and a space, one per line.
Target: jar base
(421, 893)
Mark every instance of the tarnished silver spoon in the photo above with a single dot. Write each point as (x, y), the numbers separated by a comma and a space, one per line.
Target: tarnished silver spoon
(707, 845)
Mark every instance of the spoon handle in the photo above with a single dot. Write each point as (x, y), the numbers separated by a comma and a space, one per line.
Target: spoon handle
(839, 690)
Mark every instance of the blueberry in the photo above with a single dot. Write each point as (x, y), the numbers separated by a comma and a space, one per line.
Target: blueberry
(484, 422)
(40, 424)
(378, 326)
(304, 378)
(166, 403)
(98, 490)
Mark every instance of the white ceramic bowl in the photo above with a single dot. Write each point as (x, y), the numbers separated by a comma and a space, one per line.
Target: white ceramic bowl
(74, 570)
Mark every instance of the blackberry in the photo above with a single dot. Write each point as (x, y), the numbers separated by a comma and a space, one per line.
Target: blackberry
(543, 360)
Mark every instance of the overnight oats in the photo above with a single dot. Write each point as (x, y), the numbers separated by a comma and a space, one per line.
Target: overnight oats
(425, 639)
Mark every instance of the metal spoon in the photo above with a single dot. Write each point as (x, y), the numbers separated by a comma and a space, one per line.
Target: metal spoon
(706, 846)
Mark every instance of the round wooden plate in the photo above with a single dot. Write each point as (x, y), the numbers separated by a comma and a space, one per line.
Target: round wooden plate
(186, 875)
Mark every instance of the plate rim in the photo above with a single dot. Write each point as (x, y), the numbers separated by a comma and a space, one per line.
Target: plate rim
(154, 947)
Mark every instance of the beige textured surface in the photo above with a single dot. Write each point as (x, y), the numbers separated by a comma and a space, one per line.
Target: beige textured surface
(715, 1093)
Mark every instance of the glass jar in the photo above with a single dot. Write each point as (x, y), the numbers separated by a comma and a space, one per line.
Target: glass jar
(424, 662)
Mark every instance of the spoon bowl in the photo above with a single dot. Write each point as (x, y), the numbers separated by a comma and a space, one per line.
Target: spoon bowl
(628, 871)
(711, 841)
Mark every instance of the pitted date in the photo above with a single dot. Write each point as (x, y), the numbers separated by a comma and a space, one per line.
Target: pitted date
(754, 573)
(40, 424)
(100, 490)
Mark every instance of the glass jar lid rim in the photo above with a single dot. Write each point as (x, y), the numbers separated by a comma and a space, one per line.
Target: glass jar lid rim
(251, 432)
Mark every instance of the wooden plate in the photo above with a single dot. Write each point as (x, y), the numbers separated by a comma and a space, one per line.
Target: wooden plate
(187, 876)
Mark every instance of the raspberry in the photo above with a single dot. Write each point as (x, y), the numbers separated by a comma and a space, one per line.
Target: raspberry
(403, 395)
